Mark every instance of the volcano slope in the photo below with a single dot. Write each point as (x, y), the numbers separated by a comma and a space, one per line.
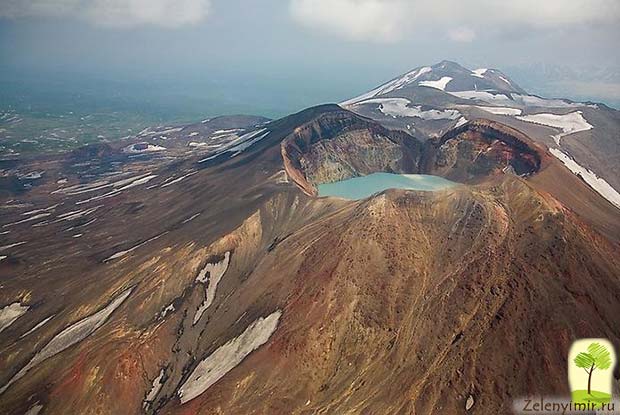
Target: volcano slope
(236, 290)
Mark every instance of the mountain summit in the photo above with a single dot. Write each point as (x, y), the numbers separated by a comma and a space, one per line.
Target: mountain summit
(446, 76)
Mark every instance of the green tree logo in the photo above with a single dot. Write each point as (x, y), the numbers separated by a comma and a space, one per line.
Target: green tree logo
(598, 358)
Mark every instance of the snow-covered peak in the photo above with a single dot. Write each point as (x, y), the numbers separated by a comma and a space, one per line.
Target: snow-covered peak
(450, 66)
(407, 79)
(445, 76)
(479, 73)
(393, 85)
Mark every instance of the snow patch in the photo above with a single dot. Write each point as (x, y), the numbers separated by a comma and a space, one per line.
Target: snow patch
(501, 110)
(138, 148)
(34, 175)
(157, 384)
(499, 99)
(169, 309)
(191, 218)
(5, 247)
(178, 179)
(137, 182)
(71, 335)
(239, 144)
(228, 356)
(102, 184)
(47, 209)
(197, 144)
(31, 218)
(10, 313)
(534, 101)
(77, 214)
(440, 84)
(570, 123)
(461, 121)
(121, 254)
(215, 272)
(511, 99)
(505, 80)
(479, 73)
(225, 132)
(165, 130)
(38, 326)
(598, 184)
(34, 409)
(82, 188)
(243, 145)
(399, 107)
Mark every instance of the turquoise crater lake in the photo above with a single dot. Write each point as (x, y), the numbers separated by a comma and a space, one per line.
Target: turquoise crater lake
(362, 187)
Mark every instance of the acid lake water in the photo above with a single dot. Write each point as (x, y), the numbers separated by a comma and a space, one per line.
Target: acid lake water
(362, 187)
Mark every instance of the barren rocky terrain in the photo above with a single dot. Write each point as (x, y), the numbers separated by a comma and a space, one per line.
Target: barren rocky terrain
(211, 278)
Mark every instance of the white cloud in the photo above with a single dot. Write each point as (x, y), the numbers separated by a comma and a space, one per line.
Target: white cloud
(113, 13)
(462, 34)
(379, 20)
(389, 20)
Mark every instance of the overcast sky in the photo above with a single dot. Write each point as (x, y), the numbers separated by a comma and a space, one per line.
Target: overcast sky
(333, 47)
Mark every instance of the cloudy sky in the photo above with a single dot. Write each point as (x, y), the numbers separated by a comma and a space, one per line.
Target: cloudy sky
(306, 51)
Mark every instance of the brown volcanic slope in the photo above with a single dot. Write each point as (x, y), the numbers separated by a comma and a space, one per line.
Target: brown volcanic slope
(406, 302)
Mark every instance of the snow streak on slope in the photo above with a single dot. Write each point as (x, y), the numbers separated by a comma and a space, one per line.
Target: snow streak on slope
(597, 183)
(461, 121)
(5, 247)
(143, 148)
(501, 110)
(440, 84)
(35, 409)
(216, 272)
(38, 326)
(117, 187)
(573, 122)
(121, 254)
(10, 313)
(399, 107)
(240, 144)
(505, 80)
(510, 99)
(29, 219)
(479, 73)
(157, 384)
(228, 356)
(534, 101)
(391, 86)
(71, 335)
(178, 179)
